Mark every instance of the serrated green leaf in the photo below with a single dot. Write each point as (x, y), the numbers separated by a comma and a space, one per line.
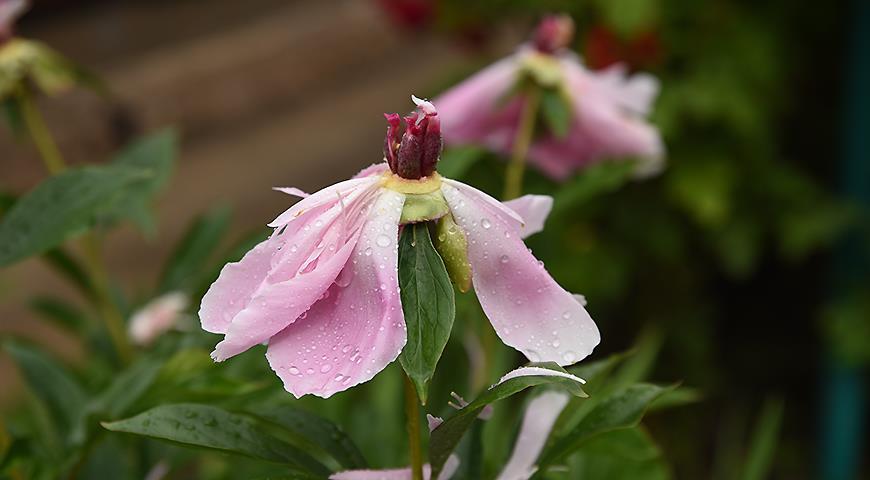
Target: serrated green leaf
(556, 111)
(622, 409)
(210, 427)
(317, 431)
(198, 243)
(446, 437)
(62, 396)
(428, 305)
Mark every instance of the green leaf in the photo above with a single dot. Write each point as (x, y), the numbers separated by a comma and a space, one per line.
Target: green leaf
(556, 111)
(317, 431)
(127, 388)
(71, 269)
(596, 180)
(200, 241)
(446, 437)
(622, 409)
(455, 161)
(59, 312)
(62, 396)
(764, 441)
(428, 305)
(210, 427)
(61, 207)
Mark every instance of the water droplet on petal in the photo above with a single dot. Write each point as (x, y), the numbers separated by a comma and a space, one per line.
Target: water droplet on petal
(504, 259)
(293, 371)
(368, 251)
(533, 356)
(325, 368)
(293, 248)
(485, 223)
(383, 241)
(309, 371)
(570, 357)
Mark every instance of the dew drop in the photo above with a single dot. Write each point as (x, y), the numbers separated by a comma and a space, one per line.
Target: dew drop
(368, 251)
(293, 248)
(570, 357)
(485, 223)
(533, 356)
(566, 315)
(383, 241)
(310, 371)
(325, 368)
(293, 371)
(504, 259)
(345, 348)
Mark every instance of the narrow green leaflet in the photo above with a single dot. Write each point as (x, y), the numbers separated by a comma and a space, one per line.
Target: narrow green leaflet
(765, 438)
(59, 312)
(211, 427)
(556, 111)
(126, 388)
(622, 409)
(596, 180)
(200, 241)
(446, 437)
(62, 396)
(318, 431)
(71, 269)
(428, 305)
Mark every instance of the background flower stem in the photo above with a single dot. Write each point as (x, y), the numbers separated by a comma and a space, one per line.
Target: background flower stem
(91, 244)
(513, 182)
(412, 412)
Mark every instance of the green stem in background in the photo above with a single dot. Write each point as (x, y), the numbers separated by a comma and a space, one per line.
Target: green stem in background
(513, 182)
(412, 412)
(91, 244)
(38, 130)
(114, 321)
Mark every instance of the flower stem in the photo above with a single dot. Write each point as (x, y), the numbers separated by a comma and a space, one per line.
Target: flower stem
(513, 182)
(91, 244)
(42, 139)
(412, 412)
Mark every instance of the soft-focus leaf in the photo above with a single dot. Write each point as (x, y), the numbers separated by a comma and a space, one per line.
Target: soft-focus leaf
(200, 241)
(62, 396)
(61, 207)
(210, 427)
(318, 431)
(621, 409)
(446, 437)
(70, 269)
(126, 388)
(455, 161)
(470, 451)
(428, 305)
(556, 111)
(762, 446)
(596, 180)
(59, 312)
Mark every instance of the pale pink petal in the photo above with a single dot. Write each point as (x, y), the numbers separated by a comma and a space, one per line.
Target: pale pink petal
(313, 250)
(541, 415)
(537, 372)
(527, 308)
(480, 197)
(157, 317)
(533, 209)
(450, 467)
(292, 191)
(433, 421)
(10, 10)
(373, 170)
(357, 328)
(328, 196)
(475, 110)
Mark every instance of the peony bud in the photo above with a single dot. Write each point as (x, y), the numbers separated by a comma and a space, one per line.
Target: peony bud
(554, 33)
(417, 154)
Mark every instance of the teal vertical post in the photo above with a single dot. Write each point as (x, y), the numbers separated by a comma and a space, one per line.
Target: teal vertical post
(844, 398)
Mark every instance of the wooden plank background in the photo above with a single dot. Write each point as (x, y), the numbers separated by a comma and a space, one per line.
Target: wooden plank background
(265, 93)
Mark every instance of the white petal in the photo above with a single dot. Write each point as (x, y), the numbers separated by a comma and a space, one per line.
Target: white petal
(541, 414)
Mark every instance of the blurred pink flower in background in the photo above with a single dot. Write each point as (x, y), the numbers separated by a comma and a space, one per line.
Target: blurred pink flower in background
(608, 107)
(157, 317)
(10, 10)
(323, 290)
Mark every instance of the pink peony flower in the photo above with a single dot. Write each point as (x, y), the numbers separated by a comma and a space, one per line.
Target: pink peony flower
(608, 107)
(323, 290)
(157, 317)
(10, 10)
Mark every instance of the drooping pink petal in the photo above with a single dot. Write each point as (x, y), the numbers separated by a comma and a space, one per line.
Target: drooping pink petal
(157, 317)
(533, 209)
(450, 467)
(608, 122)
(357, 327)
(475, 111)
(10, 10)
(373, 170)
(326, 197)
(541, 415)
(527, 308)
(292, 191)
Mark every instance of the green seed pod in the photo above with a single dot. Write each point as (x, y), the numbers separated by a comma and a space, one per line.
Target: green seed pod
(451, 245)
